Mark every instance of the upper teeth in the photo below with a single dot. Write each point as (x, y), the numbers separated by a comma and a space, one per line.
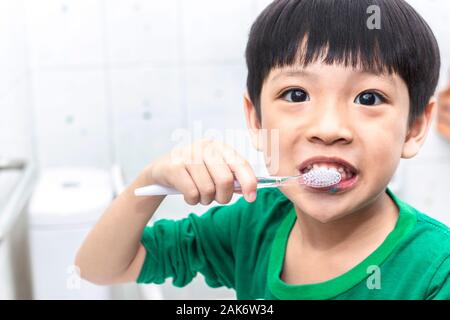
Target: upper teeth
(341, 169)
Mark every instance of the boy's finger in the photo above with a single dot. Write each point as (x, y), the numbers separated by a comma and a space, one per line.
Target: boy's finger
(182, 181)
(203, 181)
(222, 176)
(244, 174)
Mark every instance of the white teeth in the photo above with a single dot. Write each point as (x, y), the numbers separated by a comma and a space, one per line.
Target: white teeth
(345, 173)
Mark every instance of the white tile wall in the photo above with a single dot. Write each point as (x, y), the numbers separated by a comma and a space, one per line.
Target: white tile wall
(216, 91)
(16, 122)
(65, 32)
(16, 125)
(214, 32)
(142, 31)
(146, 106)
(71, 117)
(436, 14)
(260, 5)
(13, 60)
(427, 187)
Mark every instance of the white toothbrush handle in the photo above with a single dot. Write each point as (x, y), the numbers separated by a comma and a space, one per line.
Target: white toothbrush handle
(155, 190)
(159, 190)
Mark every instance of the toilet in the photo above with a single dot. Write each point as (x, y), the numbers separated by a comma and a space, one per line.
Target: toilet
(65, 205)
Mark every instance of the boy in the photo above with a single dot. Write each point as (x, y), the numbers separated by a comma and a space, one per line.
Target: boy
(341, 95)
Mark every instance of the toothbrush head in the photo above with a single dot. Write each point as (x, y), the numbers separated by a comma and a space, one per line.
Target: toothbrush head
(322, 178)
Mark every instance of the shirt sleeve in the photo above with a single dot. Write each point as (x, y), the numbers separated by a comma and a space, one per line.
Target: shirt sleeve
(181, 248)
(440, 283)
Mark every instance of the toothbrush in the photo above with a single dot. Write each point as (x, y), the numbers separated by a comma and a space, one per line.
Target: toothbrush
(316, 178)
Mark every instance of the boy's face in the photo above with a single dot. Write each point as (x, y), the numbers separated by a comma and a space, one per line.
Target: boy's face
(335, 111)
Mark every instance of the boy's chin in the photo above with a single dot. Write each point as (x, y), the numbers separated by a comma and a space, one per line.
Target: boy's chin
(321, 211)
(324, 217)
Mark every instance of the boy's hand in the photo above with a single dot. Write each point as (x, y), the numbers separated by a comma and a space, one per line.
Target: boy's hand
(203, 172)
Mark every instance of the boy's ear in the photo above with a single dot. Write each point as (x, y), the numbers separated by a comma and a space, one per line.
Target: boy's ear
(253, 123)
(418, 131)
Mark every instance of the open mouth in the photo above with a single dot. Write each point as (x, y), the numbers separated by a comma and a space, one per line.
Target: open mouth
(349, 174)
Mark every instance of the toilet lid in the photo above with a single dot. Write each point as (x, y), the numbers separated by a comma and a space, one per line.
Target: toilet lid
(70, 195)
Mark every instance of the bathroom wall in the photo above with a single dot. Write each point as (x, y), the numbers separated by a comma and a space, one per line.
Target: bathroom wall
(112, 80)
(16, 139)
(16, 120)
(426, 183)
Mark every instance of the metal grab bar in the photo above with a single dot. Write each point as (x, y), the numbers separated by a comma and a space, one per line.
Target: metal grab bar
(19, 195)
(12, 164)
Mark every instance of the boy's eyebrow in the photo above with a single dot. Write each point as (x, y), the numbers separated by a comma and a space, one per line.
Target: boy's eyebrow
(380, 76)
(303, 73)
(293, 73)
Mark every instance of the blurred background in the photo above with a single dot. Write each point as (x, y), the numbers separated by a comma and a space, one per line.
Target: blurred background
(92, 90)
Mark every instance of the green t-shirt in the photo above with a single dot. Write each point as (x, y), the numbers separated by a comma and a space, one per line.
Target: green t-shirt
(242, 246)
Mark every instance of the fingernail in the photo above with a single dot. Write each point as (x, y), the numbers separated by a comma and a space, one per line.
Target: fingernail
(251, 196)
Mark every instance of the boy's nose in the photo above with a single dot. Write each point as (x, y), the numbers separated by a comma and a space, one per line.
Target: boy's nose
(329, 126)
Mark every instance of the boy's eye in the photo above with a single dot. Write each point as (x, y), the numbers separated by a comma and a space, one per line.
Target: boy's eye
(295, 95)
(369, 99)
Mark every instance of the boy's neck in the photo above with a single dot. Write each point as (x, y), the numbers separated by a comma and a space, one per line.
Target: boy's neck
(368, 227)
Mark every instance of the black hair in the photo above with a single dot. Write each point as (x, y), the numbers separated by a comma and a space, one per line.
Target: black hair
(337, 31)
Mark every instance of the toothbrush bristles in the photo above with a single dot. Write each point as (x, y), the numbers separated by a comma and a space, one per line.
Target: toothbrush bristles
(322, 178)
